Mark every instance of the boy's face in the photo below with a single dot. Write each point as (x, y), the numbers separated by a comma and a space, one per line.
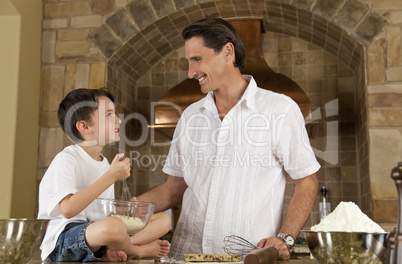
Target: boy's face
(104, 124)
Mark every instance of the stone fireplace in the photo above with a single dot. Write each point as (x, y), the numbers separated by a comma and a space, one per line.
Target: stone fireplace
(345, 55)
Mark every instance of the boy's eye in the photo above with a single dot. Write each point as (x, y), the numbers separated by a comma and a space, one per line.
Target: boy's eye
(109, 115)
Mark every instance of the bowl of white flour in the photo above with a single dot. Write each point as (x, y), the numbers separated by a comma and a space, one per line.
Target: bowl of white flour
(347, 235)
(135, 215)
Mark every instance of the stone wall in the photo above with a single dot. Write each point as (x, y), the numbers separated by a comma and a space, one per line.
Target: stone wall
(91, 43)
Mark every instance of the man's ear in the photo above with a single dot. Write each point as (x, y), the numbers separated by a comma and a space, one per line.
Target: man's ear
(82, 127)
(229, 51)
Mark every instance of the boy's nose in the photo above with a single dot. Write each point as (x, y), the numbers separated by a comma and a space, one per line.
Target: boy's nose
(118, 120)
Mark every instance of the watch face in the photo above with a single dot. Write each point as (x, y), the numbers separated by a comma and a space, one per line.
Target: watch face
(290, 240)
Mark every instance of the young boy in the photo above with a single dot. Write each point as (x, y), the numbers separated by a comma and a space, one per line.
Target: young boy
(77, 176)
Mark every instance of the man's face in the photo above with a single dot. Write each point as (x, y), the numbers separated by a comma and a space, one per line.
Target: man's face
(205, 65)
(105, 124)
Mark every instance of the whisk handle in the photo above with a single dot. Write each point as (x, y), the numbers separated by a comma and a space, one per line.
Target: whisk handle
(267, 255)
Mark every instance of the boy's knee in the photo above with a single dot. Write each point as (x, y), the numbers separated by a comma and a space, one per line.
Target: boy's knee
(165, 221)
(114, 229)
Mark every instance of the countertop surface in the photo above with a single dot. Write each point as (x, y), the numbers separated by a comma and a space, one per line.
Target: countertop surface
(295, 259)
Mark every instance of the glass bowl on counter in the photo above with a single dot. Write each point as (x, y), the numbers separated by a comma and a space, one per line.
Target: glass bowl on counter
(135, 215)
(20, 239)
(347, 247)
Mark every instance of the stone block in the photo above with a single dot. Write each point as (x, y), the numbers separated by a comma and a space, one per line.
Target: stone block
(103, 6)
(394, 74)
(384, 117)
(67, 9)
(105, 40)
(385, 100)
(64, 48)
(97, 79)
(350, 14)
(184, 3)
(385, 210)
(371, 26)
(120, 3)
(385, 153)
(69, 78)
(86, 21)
(72, 34)
(325, 8)
(48, 46)
(396, 17)
(122, 24)
(52, 87)
(48, 119)
(375, 64)
(394, 46)
(55, 23)
(50, 143)
(142, 13)
(163, 8)
(82, 76)
(387, 5)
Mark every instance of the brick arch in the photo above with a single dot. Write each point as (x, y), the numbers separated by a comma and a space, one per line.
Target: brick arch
(133, 46)
(134, 38)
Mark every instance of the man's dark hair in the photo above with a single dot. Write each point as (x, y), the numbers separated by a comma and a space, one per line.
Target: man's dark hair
(215, 33)
(79, 105)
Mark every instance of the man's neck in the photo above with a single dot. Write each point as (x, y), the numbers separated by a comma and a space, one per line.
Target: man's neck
(95, 151)
(227, 97)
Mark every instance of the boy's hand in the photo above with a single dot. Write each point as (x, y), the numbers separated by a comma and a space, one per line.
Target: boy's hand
(120, 168)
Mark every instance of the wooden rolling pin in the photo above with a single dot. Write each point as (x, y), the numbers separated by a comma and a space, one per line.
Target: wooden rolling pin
(267, 255)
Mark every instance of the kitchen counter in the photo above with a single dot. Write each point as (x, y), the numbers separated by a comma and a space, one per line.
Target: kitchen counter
(295, 259)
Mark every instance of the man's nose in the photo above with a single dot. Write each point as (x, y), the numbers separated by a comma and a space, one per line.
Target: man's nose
(191, 71)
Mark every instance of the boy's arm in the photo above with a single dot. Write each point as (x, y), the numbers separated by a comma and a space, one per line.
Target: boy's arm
(73, 204)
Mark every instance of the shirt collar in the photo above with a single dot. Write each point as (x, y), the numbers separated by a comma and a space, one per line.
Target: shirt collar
(248, 96)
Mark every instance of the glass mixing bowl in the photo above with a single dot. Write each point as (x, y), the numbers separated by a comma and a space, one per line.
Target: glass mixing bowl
(20, 239)
(347, 247)
(135, 215)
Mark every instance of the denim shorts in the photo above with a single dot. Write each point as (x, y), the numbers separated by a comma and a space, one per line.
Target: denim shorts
(71, 245)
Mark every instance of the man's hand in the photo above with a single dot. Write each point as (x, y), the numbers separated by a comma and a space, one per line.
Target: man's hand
(277, 243)
(120, 168)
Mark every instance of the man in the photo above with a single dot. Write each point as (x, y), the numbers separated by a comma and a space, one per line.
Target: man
(231, 151)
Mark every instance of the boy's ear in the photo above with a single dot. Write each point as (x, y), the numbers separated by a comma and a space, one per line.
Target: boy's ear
(82, 127)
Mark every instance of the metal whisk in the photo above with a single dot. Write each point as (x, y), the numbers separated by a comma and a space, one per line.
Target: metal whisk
(235, 245)
(125, 194)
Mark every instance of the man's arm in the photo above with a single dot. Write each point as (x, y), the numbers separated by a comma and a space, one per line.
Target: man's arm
(299, 209)
(166, 195)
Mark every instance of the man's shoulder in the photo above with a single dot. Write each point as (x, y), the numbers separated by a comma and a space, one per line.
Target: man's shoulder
(264, 96)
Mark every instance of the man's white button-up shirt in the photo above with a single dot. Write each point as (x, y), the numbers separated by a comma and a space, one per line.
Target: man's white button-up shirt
(236, 168)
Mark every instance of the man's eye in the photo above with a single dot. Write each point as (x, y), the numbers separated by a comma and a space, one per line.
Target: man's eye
(109, 115)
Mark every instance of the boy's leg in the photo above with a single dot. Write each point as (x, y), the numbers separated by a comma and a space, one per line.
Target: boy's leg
(158, 226)
(111, 232)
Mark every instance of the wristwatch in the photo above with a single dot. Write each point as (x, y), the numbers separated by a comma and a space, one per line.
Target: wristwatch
(288, 239)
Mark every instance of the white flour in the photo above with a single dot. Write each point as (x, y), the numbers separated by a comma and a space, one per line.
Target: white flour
(347, 217)
(133, 224)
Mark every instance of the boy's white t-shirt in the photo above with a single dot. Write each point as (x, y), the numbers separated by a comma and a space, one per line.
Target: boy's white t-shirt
(71, 171)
